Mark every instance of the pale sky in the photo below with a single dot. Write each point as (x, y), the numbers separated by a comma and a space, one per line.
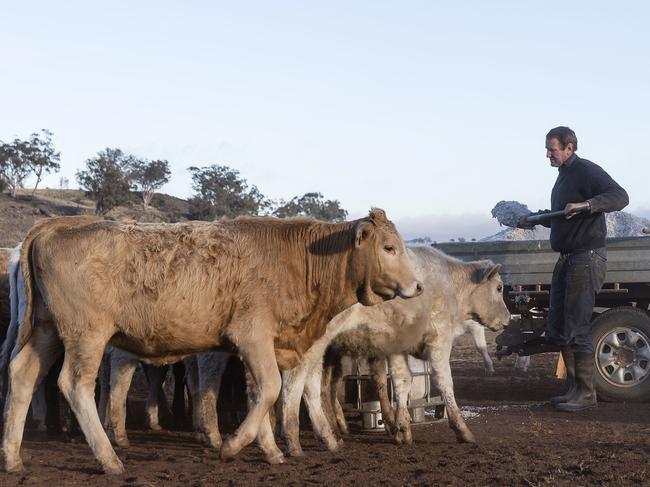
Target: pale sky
(433, 111)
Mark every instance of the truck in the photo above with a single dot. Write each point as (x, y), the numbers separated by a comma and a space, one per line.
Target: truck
(620, 320)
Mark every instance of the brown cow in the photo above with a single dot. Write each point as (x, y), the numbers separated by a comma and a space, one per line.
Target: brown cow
(161, 291)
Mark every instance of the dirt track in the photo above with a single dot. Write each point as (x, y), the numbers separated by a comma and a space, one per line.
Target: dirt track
(521, 442)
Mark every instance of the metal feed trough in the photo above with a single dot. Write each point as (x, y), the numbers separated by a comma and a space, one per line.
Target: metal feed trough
(361, 398)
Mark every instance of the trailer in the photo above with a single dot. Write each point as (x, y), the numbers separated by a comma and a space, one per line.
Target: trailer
(621, 319)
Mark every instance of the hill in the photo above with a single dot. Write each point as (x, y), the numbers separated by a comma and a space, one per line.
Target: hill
(18, 215)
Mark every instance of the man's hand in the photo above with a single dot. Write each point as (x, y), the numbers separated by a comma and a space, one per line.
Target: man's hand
(524, 223)
(572, 209)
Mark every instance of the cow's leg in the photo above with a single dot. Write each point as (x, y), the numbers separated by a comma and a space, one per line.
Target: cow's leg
(122, 369)
(332, 377)
(211, 367)
(26, 369)
(259, 356)
(378, 377)
(438, 356)
(478, 333)
(326, 397)
(192, 382)
(293, 382)
(77, 382)
(265, 437)
(156, 400)
(178, 402)
(39, 407)
(104, 388)
(402, 381)
(312, 396)
(522, 363)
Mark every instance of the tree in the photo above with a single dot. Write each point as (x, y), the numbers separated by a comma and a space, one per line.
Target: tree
(313, 205)
(221, 191)
(148, 176)
(106, 179)
(21, 158)
(42, 158)
(14, 165)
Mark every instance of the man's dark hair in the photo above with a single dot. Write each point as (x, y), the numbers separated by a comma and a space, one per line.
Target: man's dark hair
(564, 135)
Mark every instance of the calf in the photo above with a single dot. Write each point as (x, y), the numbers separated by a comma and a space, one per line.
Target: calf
(456, 294)
(426, 326)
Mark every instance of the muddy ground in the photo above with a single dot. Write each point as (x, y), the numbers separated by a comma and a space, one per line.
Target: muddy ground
(521, 441)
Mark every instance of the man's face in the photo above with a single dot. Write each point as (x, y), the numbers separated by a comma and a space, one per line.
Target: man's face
(556, 154)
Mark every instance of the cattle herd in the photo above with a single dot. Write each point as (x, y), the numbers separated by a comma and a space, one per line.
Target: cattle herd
(290, 297)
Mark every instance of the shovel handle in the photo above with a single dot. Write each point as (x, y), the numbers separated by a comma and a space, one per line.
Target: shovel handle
(540, 217)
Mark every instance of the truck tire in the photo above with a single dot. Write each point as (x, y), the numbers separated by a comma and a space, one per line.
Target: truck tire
(621, 338)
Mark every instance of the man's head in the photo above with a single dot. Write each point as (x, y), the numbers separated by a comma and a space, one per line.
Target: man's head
(561, 143)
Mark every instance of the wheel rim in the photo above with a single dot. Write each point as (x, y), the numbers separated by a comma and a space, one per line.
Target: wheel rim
(623, 356)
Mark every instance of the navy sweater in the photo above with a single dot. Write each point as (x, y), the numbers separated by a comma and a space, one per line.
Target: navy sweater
(581, 180)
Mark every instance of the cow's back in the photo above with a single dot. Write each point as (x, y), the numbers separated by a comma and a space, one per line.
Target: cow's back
(159, 282)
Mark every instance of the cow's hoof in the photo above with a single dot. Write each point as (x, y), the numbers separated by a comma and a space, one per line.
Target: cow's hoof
(14, 466)
(404, 437)
(295, 451)
(465, 437)
(115, 469)
(226, 452)
(489, 372)
(123, 443)
(213, 441)
(331, 444)
(275, 459)
(155, 427)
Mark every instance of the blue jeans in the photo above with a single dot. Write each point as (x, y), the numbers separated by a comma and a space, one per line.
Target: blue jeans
(577, 278)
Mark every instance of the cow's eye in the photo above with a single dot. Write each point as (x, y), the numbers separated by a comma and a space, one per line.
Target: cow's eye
(499, 288)
(390, 249)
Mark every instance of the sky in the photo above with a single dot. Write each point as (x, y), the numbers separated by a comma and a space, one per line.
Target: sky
(434, 111)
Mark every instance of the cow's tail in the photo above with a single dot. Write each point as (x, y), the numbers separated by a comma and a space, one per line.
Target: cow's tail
(24, 278)
(15, 289)
(24, 296)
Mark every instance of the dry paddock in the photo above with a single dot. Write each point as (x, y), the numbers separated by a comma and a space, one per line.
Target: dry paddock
(521, 441)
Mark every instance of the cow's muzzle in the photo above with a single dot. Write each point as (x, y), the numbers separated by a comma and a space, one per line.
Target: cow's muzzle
(412, 291)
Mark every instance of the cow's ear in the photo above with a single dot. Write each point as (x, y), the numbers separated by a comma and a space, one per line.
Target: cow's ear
(363, 230)
(489, 272)
(378, 216)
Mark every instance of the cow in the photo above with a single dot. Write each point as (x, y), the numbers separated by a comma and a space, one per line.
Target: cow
(9, 259)
(456, 295)
(426, 326)
(116, 373)
(263, 286)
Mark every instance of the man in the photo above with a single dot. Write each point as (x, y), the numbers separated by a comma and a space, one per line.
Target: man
(585, 192)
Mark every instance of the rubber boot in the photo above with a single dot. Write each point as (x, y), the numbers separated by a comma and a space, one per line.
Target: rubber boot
(569, 363)
(585, 397)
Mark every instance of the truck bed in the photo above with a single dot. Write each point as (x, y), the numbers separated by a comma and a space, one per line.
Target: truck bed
(531, 262)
